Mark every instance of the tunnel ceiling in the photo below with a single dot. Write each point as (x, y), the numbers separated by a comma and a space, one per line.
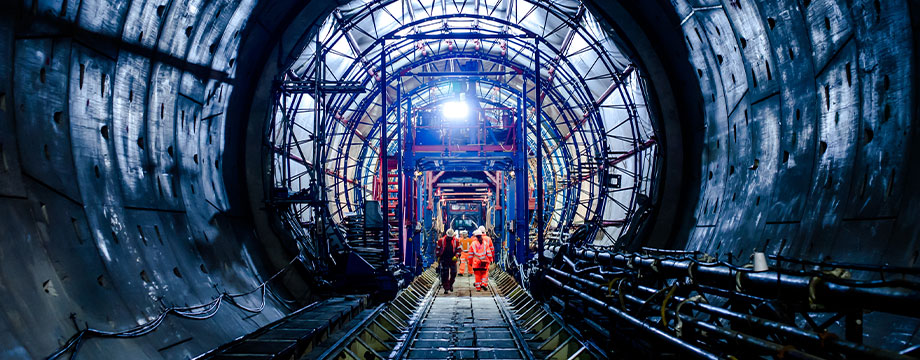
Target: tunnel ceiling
(597, 129)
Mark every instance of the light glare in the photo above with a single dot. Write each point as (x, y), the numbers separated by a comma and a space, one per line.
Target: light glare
(455, 110)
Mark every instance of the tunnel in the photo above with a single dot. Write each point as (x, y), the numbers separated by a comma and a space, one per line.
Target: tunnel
(282, 179)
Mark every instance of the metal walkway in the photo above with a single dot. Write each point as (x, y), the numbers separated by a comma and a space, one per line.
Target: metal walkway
(467, 324)
(424, 323)
(292, 335)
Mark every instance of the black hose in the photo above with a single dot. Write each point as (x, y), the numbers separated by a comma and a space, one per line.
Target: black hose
(685, 346)
(858, 350)
(893, 296)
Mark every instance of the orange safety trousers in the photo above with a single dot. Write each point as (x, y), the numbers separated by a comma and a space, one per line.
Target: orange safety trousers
(464, 266)
(480, 264)
(481, 278)
(490, 253)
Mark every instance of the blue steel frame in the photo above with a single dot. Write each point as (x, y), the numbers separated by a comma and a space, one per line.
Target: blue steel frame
(394, 43)
(558, 97)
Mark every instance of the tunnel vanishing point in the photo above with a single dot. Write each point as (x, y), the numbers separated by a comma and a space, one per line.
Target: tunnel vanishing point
(274, 179)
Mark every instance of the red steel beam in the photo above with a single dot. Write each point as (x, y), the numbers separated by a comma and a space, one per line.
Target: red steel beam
(455, 148)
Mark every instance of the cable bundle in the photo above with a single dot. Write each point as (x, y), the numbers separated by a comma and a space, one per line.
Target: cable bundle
(195, 312)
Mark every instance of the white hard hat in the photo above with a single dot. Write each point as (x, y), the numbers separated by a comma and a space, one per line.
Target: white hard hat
(477, 232)
(482, 229)
(450, 232)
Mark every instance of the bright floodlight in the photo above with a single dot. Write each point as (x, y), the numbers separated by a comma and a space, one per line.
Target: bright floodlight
(455, 110)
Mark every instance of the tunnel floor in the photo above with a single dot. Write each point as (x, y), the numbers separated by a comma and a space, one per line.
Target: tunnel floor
(465, 324)
(503, 322)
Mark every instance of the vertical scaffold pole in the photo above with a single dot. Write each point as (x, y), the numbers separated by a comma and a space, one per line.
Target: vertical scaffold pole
(538, 87)
(384, 199)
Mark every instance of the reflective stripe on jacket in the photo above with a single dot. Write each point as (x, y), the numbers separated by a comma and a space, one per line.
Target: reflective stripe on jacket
(479, 254)
(465, 244)
(490, 249)
(443, 244)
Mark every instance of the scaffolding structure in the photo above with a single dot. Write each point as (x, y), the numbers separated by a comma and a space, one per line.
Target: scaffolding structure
(585, 142)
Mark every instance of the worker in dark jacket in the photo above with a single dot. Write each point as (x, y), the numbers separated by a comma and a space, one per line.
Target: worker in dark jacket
(447, 251)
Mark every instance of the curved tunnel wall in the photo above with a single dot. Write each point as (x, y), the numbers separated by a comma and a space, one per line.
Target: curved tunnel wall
(114, 249)
(809, 136)
(808, 113)
(112, 189)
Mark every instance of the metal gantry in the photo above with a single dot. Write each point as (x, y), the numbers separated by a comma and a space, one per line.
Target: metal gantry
(586, 147)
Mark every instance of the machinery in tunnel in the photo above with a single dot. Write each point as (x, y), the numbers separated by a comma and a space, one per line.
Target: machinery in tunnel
(271, 179)
(461, 90)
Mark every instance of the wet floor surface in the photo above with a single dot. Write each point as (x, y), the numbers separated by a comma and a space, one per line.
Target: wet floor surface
(464, 324)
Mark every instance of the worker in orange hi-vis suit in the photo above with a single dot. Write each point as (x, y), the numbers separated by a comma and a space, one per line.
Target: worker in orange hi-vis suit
(480, 260)
(465, 267)
(490, 252)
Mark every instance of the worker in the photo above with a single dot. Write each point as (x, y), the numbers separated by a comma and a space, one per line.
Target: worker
(490, 253)
(448, 249)
(464, 236)
(465, 267)
(480, 261)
